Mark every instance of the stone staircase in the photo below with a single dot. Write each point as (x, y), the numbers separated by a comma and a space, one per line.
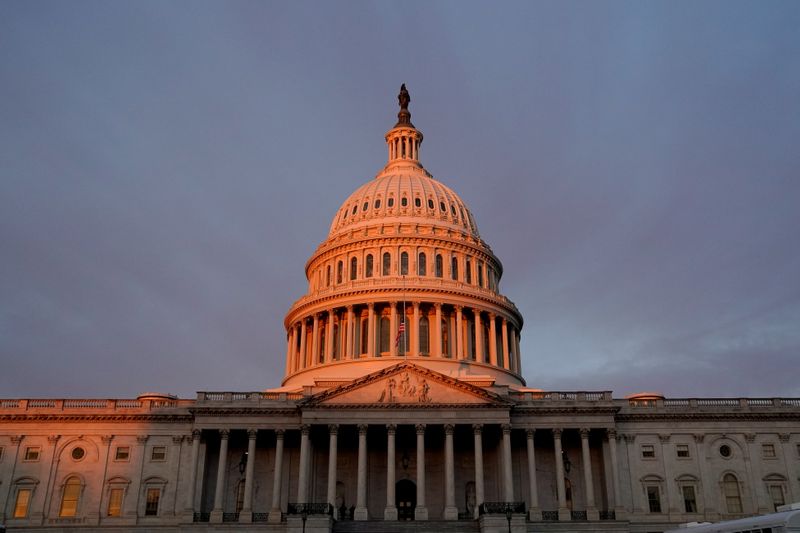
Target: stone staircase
(419, 526)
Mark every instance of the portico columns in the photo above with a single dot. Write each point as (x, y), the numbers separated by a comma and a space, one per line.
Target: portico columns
(390, 512)
(222, 466)
(506, 363)
(315, 341)
(492, 339)
(393, 329)
(193, 472)
(477, 431)
(246, 514)
(333, 431)
(371, 330)
(508, 476)
(302, 481)
(591, 510)
(275, 510)
(533, 504)
(421, 511)
(437, 336)
(612, 451)
(450, 509)
(361, 490)
(563, 511)
(478, 336)
(302, 359)
(459, 334)
(329, 337)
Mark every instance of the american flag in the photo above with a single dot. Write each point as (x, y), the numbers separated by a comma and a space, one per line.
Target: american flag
(400, 333)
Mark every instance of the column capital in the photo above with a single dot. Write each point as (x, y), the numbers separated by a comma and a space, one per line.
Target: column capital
(629, 437)
(783, 437)
(393, 303)
(391, 428)
(305, 429)
(252, 434)
(584, 433)
(333, 429)
(492, 316)
(16, 439)
(448, 429)
(664, 438)
(370, 306)
(506, 428)
(279, 433)
(530, 432)
(349, 308)
(611, 433)
(177, 439)
(437, 305)
(224, 433)
(458, 308)
(477, 428)
(557, 433)
(699, 437)
(141, 439)
(362, 429)
(54, 438)
(749, 437)
(104, 438)
(415, 305)
(420, 429)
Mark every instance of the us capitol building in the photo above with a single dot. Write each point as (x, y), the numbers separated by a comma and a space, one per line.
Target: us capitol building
(403, 408)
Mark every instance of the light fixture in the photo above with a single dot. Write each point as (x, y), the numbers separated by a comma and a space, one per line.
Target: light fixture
(405, 460)
(243, 463)
(567, 462)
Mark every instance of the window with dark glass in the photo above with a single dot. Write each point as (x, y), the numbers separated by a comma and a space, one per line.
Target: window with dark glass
(328, 276)
(353, 267)
(682, 450)
(468, 271)
(364, 335)
(404, 202)
(689, 499)
(368, 266)
(385, 335)
(653, 499)
(151, 502)
(480, 273)
(387, 264)
(339, 271)
(158, 453)
(417, 202)
(424, 337)
(355, 209)
(122, 453)
(452, 210)
(442, 207)
(378, 203)
(422, 264)
(430, 203)
(365, 206)
(439, 267)
(648, 451)
(390, 202)
(733, 498)
(404, 264)
(454, 268)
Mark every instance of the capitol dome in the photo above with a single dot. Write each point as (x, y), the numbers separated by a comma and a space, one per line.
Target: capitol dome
(403, 275)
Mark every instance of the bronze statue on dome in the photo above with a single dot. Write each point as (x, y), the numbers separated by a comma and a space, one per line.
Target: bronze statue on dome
(403, 98)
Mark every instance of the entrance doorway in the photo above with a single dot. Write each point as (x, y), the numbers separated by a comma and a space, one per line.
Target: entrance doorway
(405, 494)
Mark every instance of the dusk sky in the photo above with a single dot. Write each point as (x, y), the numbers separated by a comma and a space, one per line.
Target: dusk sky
(167, 168)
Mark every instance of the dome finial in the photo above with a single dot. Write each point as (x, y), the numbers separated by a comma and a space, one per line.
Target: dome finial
(404, 116)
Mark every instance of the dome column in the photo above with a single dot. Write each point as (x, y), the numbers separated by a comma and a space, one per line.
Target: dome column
(348, 343)
(371, 330)
(459, 334)
(478, 336)
(517, 355)
(289, 355)
(506, 363)
(302, 356)
(315, 341)
(437, 329)
(493, 339)
(329, 337)
(393, 329)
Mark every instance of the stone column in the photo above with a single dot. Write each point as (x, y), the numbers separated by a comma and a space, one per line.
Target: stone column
(478, 336)
(393, 327)
(302, 478)
(670, 487)
(450, 509)
(533, 505)
(761, 500)
(612, 451)
(508, 475)
(361, 491)
(591, 509)
(563, 511)
(289, 358)
(517, 355)
(222, 467)
(333, 436)
(277, 481)
(415, 331)
(189, 509)
(477, 430)
(492, 339)
(506, 362)
(247, 505)
(315, 341)
(371, 330)
(421, 511)
(459, 334)
(329, 337)
(437, 329)
(303, 357)
(349, 350)
(390, 513)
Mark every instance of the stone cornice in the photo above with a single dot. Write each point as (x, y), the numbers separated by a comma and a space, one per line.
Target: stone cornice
(752, 416)
(94, 417)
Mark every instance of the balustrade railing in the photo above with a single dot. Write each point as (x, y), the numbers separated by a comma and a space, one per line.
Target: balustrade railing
(578, 515)
(230, 517)
(501, 508)
(550, 516)
(608, 515)
(260, 517)
(309, 509)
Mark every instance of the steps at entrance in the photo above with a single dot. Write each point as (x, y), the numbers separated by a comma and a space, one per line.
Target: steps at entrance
(412, 526)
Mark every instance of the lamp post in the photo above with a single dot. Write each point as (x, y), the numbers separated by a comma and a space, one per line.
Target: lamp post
(243, 464)
(509, 514)
(304, 517)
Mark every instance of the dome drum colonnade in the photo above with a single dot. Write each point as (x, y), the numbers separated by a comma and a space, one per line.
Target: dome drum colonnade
(403, 246)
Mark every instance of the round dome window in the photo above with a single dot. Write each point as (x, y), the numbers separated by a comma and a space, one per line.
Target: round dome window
(725, 451)
(78, 453)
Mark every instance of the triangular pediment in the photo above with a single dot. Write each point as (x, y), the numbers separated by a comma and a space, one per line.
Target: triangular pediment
(406, 385)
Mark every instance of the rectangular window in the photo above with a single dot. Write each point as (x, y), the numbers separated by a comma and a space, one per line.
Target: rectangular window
(768, 451)
(115, 502)
(122, 453)
(653, 500)
(776, 493)
(158, 453)
(151, 505)
(32, 453)
(648, 451)
(22, 503)
(689, 499)
(682, 451)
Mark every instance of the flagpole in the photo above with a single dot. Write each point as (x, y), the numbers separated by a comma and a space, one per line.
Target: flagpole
(405, 333)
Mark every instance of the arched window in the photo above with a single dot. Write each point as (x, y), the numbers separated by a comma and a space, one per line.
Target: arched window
(417, 202)
(468, 271)
(733, 498)
(339, 271)
(404, 264)
(480, 273)
(337, 340)
(368, 266)
(364, 335)
(70, 497)
(454, 268)
(353, 268)
(424, 336)
(387, 264)
(385, 335)
(439, 266)
(422, 264)
(445, 338)
(430, 203)
(328, 276)
(469, 338)
(403, 201)
(390, 202)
